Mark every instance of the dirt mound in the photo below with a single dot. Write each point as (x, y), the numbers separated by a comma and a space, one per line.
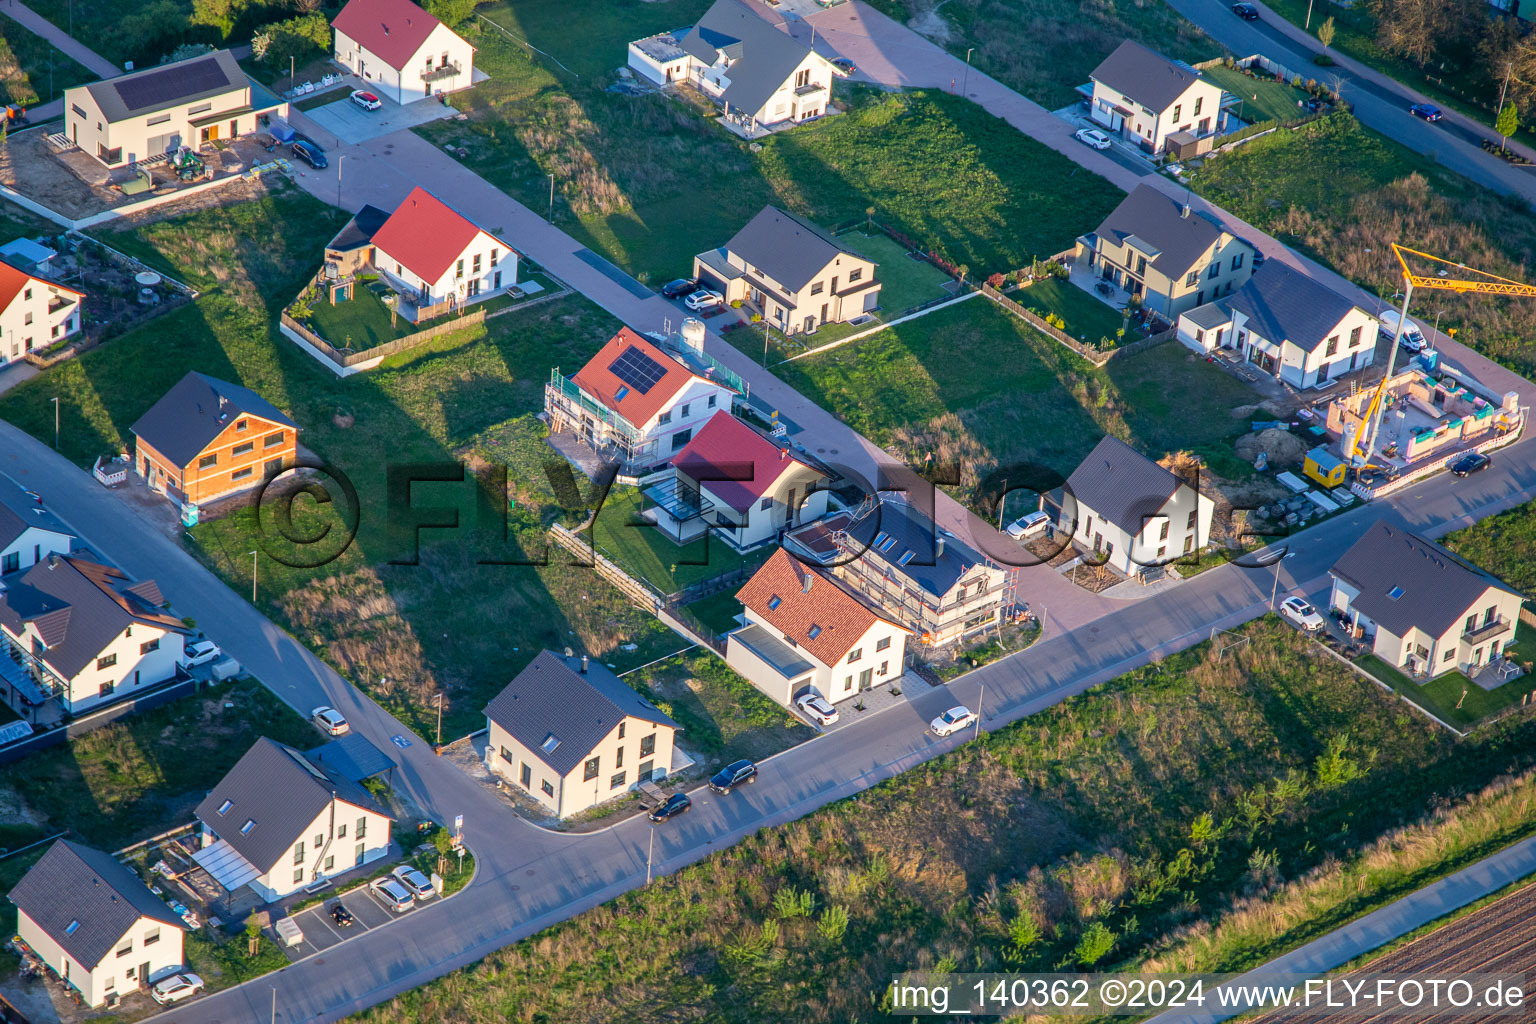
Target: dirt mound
(1269, 407)
(1282, 447)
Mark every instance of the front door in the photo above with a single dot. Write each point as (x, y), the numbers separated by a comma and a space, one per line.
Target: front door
(358, 862)
(810, 324)
(234, 129)
(144, 973)
(497, 281)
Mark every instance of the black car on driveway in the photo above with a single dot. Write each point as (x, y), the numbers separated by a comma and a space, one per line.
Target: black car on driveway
(678, 289)
(674, 805)
(1470, 463)
(733, 775)
(309, 153)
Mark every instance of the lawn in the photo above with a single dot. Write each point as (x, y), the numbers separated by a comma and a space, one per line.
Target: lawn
(16, 222)
(32, 71)
(718, 611)
(1203, 814)
(630, 170)
(402, 631)
(723, 717)
(137, 777)
(1451, 697)
(1264, 99)
(904, 282)
(644, 551)
(364, 321)
(1087, 318)
(1342, 194)
(974, 387)
(1045, 49)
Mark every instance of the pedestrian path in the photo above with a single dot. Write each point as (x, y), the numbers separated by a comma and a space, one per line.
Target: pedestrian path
(77, 51)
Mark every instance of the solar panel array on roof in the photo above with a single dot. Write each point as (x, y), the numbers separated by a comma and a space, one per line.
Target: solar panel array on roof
(637, 369)
(170, 85)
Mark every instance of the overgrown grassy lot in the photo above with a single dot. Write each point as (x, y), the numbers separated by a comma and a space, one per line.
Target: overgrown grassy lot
(31, 70)
(138, 777)
(1504, 545)
(1264, 99)
(1343, 193)
(723, 716)
(1203, 815)
(649, 181)
(974, 386)
(1046, 48)
(402, 631)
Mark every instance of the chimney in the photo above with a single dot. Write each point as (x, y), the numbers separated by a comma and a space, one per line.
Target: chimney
(783, 454)
(806, 581)
(583, 664)
(570, 653)
(938, 547)
(1184, 213)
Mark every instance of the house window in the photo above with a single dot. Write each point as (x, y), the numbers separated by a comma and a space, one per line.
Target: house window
(617, 780)
(106, 661)
(547, 788)
(125, 948)
(475, 264)
(243, 449)
(245, 829)
(1333, 346)
(79, 111)
(848, 684)
(1471, 624)
(74, 926)
(161, 119)
(1176, 108)
(242, 474)
(681, 438)
(298, 852)
(1448, 655)
(207, 462)
(621, 729)
(802, 78)
(814, 632)
(1189, 543)
(1194, 517)
(319, 840)
(27, 320)
(816, 289)
(682, 412)
(273, 440)
(855, 654)
(591, 770)
(765, 505)
(241, 425)
(298, 876)
(201, 108)
(865, 677)
(149, 645)
(883, 643)
(1196, 112)
(665, 417)
(1163, 533)
(330, 862)
(459, 270)
(1237, 260)
(711, 403)
(225, 806)
(1215, 270)
(525, 777)
(618, 758)
(341, 831)
(152, 936)
(648, 745)
(506, 755)
(495, 254)
(109, 156)
(362, 828)
(1141, 261)
(1192, 277)
(1354, 337)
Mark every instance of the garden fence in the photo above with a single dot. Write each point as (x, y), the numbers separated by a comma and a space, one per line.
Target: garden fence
(630, 587)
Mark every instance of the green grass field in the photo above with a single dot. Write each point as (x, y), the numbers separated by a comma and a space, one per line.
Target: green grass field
(1504, 545)
(1451, 697)
(645, 551)
(1087, 318)
(32, 71)
(904, 281)
(1264, 99)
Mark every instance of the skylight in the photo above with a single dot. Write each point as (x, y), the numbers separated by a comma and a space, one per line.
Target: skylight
(890, 542)
(74, 926)
(225, 806)
(618, 396)
(550, 743)
(815, 631)
(1395, 593)
(774, 602)
(904, 559)
(881, 538)
(245, 829)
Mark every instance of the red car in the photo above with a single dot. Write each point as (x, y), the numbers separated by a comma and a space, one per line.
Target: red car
(366, 100)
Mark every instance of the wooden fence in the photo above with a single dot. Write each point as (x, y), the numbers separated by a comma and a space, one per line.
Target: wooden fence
(473, 318)
(634, 589)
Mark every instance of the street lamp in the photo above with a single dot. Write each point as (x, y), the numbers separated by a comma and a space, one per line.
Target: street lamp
(1438, 314)
(339, 159)
(253, 577)
(439, 719)
(966, 82)
(292, 74)
(55, 423)
(551, 198)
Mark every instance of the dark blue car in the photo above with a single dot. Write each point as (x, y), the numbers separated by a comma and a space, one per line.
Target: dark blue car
(1428, 111)
(310, 153)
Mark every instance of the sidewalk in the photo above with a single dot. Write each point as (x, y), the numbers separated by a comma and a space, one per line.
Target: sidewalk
(77, 51)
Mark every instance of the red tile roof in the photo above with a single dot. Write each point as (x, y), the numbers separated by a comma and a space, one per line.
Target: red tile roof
(808, 599)
(598, 380)
(392, 30)
(725, 446)
(425, 235)
(14, 279)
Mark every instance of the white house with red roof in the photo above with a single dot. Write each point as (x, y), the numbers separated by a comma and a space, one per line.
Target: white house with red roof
(635, 403)
(437, 259)
(34, 312)
(806, 631)
(738, 482)
(401, 51)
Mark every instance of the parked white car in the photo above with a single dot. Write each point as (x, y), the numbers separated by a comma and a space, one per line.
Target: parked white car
(419, 884)
(953, 720)
(1413, 334)
(1028, 526)
(201, 653)
(176, 988)
(704, 299)
(330, 721)
(1092, 137)
(1301, 612)
(814, 705)
(392, 894)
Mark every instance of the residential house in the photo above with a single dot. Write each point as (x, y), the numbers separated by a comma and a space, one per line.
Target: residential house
(136, 117)
(401, 51)
(918, 575)
(798, 276)
(34, 312)
(85, 634)
(29, 532)
(207, 438)
(1146, 98)
(1425, 610)
(739, 483)
(281, 822)
(1290, 325)
(1172, 257)
(749, 64)
(637, 404)
(572, 735)
(437, 260)
(95, 923)
(350, 251)
(1132, 512)
(806, 632)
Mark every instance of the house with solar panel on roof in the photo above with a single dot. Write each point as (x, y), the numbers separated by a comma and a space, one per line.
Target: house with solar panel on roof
(281, 821)
(95, 924)
(401, 51)
(641, 399)
(570, 734)
(141, 116)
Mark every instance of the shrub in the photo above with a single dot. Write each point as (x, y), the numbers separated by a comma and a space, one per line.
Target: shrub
(1322, 60)
(1096, 942)
(996, 280)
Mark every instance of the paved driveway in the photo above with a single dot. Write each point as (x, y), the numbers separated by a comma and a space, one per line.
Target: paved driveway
(352, 125)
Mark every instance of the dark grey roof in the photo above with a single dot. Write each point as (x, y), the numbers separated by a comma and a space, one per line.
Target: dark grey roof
(19, 513)
(78, 607)
(1122, 485)
(1437, 587)
(170, 85)
(552, 698)
(762, 55)
(196, 411)
(352, 757)
(1212, 314)
(280, 790)
(1144, 75)
(1178, 240)
(73, 883)
(1283, 304)
(787, 248)
(359, 231)
(910, 530)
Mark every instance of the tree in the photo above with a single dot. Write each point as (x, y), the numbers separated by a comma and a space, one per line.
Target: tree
(260, 43)
(1094, 945)
(451, 12)
(1412, 28)
(151, 29)
(186, 51)
(1507, 124)
(1325, 34)
(217, 14)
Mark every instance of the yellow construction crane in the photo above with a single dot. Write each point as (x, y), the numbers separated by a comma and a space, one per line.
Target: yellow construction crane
(1454, 277)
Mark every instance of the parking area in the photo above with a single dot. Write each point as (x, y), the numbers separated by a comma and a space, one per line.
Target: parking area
(351, 124)
(321, 932)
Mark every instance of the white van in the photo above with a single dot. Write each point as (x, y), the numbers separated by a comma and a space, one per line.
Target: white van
(1413, 334)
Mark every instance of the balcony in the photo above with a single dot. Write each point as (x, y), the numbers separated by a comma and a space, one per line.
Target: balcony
(810, 89)
(30, 678)
(1487, 631)
(442, 71)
